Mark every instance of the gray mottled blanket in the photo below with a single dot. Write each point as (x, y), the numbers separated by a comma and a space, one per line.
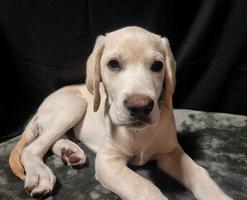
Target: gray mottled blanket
(216, 141)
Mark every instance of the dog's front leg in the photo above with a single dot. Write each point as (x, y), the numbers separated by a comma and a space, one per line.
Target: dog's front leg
(180, 166)
(113, 173)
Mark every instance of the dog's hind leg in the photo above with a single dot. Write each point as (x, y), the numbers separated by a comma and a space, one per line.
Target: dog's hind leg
(69, 152)
(59, 113)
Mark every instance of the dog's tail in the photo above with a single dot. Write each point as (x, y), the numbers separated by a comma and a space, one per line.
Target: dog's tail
(29, 134)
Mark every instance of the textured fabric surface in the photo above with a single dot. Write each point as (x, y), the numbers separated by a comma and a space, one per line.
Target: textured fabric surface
(216, 141)
(44, 45)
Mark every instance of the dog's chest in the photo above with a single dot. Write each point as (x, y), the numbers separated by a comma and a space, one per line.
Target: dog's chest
(140, 158)
(142, 149)
(146, 145)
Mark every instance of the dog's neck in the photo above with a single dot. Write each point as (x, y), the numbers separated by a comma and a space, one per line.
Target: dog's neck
(134, 141)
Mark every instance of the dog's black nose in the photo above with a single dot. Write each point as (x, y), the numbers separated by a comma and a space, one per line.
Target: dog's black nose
(139, 105)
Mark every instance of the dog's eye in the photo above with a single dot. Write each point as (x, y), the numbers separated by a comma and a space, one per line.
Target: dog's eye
(157, 66)
(114, 65)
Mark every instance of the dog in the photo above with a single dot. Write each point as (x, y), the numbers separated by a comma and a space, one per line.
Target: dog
(124, 113)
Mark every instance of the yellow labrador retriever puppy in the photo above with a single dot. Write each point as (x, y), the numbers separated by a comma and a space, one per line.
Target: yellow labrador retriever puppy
(124, 114)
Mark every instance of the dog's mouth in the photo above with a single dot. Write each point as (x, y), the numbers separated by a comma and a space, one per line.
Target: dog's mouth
(131, 122)
(137, 123)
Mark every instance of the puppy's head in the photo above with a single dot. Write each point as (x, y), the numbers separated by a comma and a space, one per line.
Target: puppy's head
(137, 69)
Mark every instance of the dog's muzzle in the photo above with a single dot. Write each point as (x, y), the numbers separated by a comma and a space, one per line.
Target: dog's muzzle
(139, 107)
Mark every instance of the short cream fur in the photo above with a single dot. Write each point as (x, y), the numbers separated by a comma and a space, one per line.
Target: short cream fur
(97, 114)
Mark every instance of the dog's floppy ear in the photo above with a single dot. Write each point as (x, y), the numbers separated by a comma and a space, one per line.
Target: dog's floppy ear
(93, 71)
(170, 70)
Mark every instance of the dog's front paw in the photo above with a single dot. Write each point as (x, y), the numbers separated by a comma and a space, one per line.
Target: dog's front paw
(212, 195)
(40, 181)
(73, 157)
(225, 197)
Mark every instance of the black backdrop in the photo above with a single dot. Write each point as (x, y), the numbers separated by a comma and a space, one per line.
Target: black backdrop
(44, 45)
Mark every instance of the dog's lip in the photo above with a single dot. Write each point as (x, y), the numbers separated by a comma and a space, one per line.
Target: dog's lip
(137, 123)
